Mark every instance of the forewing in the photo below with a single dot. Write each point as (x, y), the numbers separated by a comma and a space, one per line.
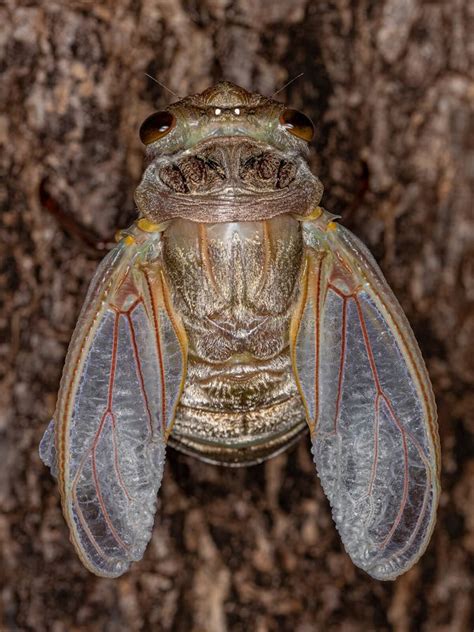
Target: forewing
(121, 383)
(369, 404)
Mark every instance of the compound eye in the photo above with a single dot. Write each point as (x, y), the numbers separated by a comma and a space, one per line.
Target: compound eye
(156, 126)
(297, 124)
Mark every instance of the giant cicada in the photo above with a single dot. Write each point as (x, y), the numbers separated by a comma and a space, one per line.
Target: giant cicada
(233, 314)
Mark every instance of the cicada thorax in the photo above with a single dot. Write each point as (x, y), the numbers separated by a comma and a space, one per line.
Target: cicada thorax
(235, 285)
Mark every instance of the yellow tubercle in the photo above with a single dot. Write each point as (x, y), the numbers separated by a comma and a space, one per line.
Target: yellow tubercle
(314, 215)
(129, 240)
(147, 226)
(331, 226)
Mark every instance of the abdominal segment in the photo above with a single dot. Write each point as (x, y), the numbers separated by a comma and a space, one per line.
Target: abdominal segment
(235, 286)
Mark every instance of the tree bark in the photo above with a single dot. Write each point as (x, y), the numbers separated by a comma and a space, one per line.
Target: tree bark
(390, 87)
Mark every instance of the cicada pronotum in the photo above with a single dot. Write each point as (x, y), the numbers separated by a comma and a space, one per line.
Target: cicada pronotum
(231, 316)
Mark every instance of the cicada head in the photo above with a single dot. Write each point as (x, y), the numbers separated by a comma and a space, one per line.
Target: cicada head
(227, 155)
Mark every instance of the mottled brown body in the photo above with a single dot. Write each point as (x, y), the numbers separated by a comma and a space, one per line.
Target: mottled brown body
(235, 286)
(230, 179)
(226, 186)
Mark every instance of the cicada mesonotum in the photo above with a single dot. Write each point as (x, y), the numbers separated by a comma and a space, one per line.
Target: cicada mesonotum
(230, 316)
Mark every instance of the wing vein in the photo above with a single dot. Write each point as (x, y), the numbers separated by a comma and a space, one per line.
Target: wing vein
(373, 472)
(317, 342)
(92, 450)
(159, 352)
(342, 360)
(138, 367)
(381, 394)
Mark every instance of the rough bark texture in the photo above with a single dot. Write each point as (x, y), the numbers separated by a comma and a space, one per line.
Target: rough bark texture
(390, 86)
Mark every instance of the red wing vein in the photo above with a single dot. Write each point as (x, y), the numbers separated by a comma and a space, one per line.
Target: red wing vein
(139, 369)
(116, 461)
(342, 361)
(427, 470)
(100, 498)
(317, 342)
(92, 452)
(86, 528)
(381, 395)
(373, 472)
(159, 353)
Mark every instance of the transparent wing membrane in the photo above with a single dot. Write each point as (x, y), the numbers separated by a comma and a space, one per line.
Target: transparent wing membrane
(369, 404)
(122, 380)
(47, 449)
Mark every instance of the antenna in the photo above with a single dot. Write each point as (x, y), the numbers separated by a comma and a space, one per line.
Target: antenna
(163, 86)
(287, 84)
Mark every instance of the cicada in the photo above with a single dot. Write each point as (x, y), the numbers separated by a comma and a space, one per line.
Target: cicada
(231, 316)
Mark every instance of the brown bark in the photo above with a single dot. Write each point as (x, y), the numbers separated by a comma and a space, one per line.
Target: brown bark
(390, 86)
